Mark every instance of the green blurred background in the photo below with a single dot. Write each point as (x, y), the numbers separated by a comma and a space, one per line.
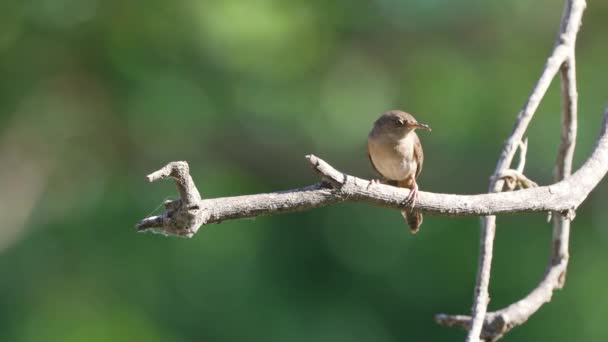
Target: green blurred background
(96, 94)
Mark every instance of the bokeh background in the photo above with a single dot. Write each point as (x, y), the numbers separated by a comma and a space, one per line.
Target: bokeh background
(96, 94)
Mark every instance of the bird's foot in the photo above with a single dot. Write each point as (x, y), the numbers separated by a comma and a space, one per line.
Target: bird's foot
(411, 199)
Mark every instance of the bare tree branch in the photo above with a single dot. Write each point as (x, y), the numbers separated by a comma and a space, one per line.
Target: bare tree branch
(500, 322)
(562, 59)
(562, 197)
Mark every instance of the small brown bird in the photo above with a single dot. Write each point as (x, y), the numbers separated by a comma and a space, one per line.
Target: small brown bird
(396, 154)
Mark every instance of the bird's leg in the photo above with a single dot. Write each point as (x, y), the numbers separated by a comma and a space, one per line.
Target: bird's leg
(413, 196)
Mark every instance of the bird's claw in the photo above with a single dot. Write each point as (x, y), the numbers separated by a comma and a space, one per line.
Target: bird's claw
(411, 199)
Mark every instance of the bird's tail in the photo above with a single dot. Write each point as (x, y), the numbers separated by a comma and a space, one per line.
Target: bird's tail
(413, 218)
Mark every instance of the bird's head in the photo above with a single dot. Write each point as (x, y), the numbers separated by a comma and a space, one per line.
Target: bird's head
(396, 122)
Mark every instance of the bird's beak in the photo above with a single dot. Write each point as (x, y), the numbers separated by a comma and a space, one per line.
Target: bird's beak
(422, 126)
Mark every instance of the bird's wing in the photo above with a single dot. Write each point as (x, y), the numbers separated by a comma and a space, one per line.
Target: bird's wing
(418, 155)
(372, 162)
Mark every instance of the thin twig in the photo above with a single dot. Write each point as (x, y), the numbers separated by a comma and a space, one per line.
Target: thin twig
(563, 166)
(523, 151)
(564, 48)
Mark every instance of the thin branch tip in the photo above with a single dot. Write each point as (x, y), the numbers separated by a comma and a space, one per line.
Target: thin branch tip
(172, 169)
(326, 171)
(313, 161)
(149, 222)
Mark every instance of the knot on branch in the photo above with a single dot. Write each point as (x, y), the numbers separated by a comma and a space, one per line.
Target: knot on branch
(494, 326)
(182, 217)
(569, 214)
(516, 180)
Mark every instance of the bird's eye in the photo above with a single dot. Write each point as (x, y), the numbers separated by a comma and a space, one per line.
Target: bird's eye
(401, 122)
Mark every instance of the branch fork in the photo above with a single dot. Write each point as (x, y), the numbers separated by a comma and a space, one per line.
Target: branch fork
(182, 216)
(515, 178)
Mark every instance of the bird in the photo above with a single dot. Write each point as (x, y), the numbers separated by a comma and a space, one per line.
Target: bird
(395, 152)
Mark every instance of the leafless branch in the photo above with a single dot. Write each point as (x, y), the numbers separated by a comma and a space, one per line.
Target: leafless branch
(523, 151)
(562, 59)
(562, 197)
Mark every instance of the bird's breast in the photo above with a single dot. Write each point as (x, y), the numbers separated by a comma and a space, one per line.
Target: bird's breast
(394, 159)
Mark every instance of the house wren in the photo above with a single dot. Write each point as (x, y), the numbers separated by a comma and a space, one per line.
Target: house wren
(396, 154)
